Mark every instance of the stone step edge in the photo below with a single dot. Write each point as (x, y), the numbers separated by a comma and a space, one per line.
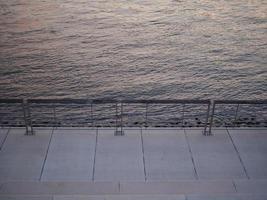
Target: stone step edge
(102, 188)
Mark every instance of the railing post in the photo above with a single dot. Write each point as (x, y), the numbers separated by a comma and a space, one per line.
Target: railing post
(92, 116)
(183, 115)
(122, 133)
(207, 120)
(212, 115)
(117, 131)
(54, 115)
(146, 115)
(27, 118)
(116, 122)
(237, 108)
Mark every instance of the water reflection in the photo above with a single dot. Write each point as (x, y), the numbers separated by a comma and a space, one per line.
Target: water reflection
(133, 49)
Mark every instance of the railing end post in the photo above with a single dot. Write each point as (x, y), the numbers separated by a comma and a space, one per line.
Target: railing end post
(119, 126)
(207, 133)
(29, 131)
(27, 118)
(119, 133)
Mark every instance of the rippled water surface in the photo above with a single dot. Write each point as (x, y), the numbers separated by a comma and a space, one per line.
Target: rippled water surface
(133, 49)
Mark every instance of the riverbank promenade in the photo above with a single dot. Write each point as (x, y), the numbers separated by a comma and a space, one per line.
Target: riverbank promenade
(147, 163)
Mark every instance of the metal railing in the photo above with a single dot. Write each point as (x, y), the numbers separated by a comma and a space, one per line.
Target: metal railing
(233, 119)
(30, 113)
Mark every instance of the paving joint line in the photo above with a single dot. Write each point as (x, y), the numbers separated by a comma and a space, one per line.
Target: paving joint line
(238, 154)
(143, 152)
(96, 140)
(2, 144)
(46, 155)
(191, 155)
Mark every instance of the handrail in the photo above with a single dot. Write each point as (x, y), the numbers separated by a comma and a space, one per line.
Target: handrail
(151, 101)
(264, 101)
(102, 101)
(11, 100)
(59, 101)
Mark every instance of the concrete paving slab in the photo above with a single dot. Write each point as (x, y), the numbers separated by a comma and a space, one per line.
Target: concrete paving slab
(70, 156)
(251, 186)
(227, 197)
(252, 147)
(215, 156)
(22, 157)
(122, 197)
(177, 187)
(119, 157)
(59, 188)
(3, 134)
(167, 156)
(23, 197)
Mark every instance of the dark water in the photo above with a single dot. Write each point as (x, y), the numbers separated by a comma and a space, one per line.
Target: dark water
(133, 49)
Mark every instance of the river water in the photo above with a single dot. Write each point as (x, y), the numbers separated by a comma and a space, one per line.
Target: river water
(142, 49)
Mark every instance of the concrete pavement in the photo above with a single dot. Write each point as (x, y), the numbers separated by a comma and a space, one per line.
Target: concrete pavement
(175, 163)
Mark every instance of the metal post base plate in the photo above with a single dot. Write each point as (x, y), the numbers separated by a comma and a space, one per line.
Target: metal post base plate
(119, 133)
(206, 133)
